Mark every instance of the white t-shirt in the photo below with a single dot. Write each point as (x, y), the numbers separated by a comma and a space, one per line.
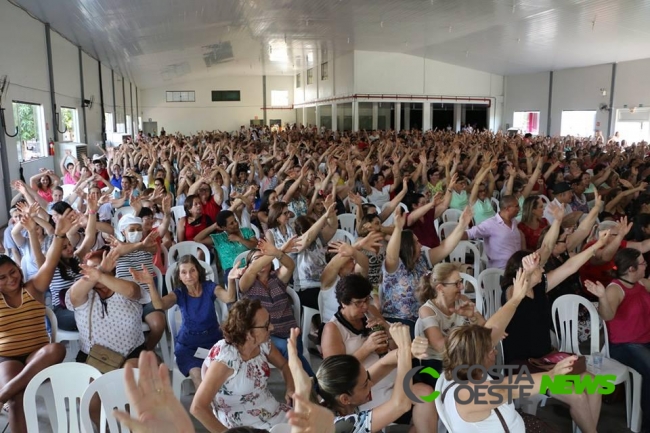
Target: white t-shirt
(379, 198)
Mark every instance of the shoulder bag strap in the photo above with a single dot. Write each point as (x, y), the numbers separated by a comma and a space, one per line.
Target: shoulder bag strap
(497, 411)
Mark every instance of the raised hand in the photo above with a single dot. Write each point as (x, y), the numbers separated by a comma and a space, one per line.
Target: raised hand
(530, 262)
(292, 245)
(596, 288)
(267, 248)
(603, 236)
(28, 223)
(556, 211)
(400, 219)
(400, 334)
(90, 273)
(466, 309)
(466, 216)
(521, 283)
(141, 276)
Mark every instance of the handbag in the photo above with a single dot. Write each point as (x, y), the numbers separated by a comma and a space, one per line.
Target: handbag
(548, 362)
(101, 357)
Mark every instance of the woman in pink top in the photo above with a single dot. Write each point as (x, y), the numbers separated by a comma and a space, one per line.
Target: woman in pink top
(625, 306)
(43, 182)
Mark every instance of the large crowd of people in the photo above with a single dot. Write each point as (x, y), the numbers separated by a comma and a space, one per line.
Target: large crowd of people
(353, 224)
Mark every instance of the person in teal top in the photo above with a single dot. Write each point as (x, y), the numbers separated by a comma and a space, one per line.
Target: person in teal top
(481, 197)
(459, 197)
(230, 242)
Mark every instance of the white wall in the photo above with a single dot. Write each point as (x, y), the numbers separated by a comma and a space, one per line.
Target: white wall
(189, 117)
(527, 92)
(579, 89)
(343, 78)
(91, 89)
(632, 84)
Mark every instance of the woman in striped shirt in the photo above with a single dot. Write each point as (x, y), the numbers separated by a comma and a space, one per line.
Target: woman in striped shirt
(25, 348)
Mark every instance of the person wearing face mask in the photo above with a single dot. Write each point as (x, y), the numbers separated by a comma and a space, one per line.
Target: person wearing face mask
(134, 253)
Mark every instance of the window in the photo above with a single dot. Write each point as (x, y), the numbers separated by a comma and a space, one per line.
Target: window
(633, 124)
(70, 124)
(225, 95)
(32, 142)
(298, 80)
(279, 98)
(324, 72)
(526, 121)
(310, 76)
(108, 119)
(180, 96)
(578, 123)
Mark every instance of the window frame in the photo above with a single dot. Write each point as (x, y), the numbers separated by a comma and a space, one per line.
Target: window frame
(324, 71)
(225, 92)
(75, 123)
(39, 129)
(173, 96)
(310, 76)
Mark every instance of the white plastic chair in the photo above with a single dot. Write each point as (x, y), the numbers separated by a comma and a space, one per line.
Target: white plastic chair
(58, 335)
(459, 255)
(343, 236)
(258, 235)
(178, 212)
(445, 229)
(304, 328)
(451, 215)
(495, 204)
(188, 247)
(174, 320)
(489, 291)
(67, 190)
(119, 213)
(68, 381)
(348, 223)
(544, 199)
(426, 250)
(112, 392)
(163, 344)
(468, 279)
(565, 320)
(440, 407)
(436, 226)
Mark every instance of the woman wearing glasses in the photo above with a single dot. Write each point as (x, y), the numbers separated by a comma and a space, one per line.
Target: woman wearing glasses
(280, 231)
(358, 329)
(234, 391)
(444, 308)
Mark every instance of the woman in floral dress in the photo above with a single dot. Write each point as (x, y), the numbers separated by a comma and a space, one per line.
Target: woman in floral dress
(236, 372)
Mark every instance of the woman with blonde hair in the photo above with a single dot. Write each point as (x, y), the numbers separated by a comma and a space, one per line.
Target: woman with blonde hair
(443, 308)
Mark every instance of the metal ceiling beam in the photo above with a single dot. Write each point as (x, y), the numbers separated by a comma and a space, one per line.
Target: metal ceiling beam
(50, 69)
(83, 96)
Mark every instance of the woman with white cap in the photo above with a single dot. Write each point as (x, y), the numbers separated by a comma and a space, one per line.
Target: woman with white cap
(134, 253)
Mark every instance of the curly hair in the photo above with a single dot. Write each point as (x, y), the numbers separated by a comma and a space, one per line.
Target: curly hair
(240, 321)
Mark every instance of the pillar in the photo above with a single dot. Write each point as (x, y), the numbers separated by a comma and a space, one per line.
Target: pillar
(457, 117)
(335, 118)
(375, 115)
(407, 116)
(304, 116)
(426, 116)
(396, 113)
(318, 117)
(355, 116)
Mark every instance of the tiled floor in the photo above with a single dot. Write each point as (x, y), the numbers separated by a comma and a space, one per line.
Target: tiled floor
(612, 419)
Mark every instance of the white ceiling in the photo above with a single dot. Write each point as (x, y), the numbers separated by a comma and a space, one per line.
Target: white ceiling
(154, 42)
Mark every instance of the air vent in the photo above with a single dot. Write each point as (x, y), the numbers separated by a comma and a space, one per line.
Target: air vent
(217, 53)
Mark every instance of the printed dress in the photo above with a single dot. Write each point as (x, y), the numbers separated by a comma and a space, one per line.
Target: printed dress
(244, 399)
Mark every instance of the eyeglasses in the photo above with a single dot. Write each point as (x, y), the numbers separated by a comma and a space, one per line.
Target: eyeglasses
(266, 326)
(458, 283)
(362, 302)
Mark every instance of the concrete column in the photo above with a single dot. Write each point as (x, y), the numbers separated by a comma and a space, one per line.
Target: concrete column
(457, 117)
(304, 116)
(407, 116)
(463, 114)
(396, 113)
(355, 116)
(426, 116)
(375, 115)
(318, 117)
(334, 118)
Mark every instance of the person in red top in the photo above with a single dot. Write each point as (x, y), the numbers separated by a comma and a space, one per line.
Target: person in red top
(625, 306)
(194, 221)
(422, 215)
(98, 164)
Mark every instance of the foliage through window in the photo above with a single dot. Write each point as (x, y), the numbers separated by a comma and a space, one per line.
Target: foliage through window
(69, 124)
(310, 76)
(31, 141)
(180, 96)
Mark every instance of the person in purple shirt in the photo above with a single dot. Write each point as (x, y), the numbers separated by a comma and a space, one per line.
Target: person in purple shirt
(500, 233)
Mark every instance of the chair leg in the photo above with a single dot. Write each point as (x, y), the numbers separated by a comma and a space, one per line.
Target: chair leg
(634, 422)
(177, 383)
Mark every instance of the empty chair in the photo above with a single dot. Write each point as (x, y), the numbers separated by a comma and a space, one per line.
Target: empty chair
(68, 381)
(111, 389)
(188, 247)
(489, 291)
(347, 221)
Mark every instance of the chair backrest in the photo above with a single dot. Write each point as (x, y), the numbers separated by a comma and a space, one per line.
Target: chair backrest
(178, 212)
(68, 382)
(440, 407)
(348, 222)
(240, 257)
(565, 321)
(459, 255)
(544, 199)
(473, 282)
(159, 280)
(54, 323)
(209, 274)
(67, 190)
(495, 205)
(607, 225)
(436, 226)
(112, 392)
(187, 247)
(174, 321)
(446, 229)
(342, 235)
(489, 283)
(164, 252)
(296, 303)
(119, 213)
(451, 215)
(258, 235)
